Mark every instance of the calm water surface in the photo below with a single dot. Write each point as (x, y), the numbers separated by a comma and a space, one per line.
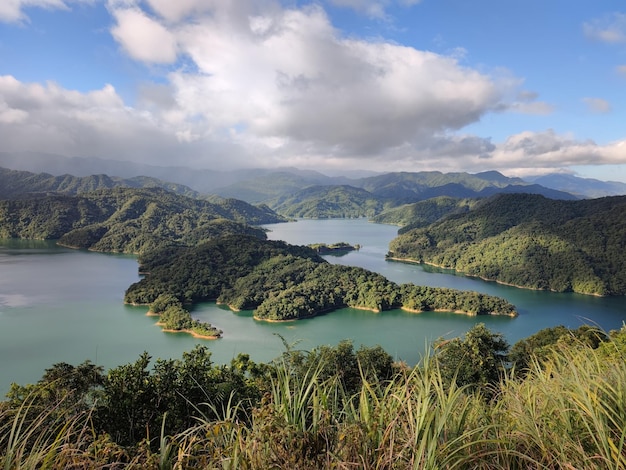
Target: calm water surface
(61, 305)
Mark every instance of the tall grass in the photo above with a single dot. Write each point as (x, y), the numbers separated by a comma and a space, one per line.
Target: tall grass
(568, 412)
(50, 438)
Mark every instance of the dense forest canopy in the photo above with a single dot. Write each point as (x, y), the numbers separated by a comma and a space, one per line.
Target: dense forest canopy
(128, 220)
(422, 213)
(530, 241)
(286, 282)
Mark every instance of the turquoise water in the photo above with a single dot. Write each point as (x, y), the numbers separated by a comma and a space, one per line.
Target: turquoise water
(61, 305)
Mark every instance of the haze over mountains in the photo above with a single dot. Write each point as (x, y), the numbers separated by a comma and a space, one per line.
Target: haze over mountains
(282, 187)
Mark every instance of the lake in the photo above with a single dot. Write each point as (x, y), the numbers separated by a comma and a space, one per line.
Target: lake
(62, 305)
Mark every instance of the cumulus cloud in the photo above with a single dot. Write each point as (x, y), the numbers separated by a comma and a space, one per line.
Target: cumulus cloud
(610, 29)
(142, 37)
(97, 123)
(548, 149)
(597, 105)
(253, 83)
(288, 74)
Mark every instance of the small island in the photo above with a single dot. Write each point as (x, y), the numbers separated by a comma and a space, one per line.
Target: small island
(339, 248)
(174, 318)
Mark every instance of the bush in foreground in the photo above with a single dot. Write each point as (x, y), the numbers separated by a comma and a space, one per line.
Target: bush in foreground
(567, 411)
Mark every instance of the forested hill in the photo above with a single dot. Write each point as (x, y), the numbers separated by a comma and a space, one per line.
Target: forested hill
(128, 220)
(285, 282)
(21, 184)
(321, 202)
(422, 213)
(530, 241)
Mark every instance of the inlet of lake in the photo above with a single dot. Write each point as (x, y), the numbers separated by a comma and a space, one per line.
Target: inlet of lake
(62, 305)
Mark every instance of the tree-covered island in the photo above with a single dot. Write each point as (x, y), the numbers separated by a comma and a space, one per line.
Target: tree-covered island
(339, 248)
(286, 282)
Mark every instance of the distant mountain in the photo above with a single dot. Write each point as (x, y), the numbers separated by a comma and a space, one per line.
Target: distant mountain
(529, 241)
(368, 197)
(14, 184)
(582, 187)
(322, 202)
(413, 187)
(272, 185)
(202, 180)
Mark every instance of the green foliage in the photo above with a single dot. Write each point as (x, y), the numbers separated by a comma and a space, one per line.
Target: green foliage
(284, 282)
(323, 202)
(423, 213)
(203, 272)
(530, 241)
(338, 248)
(476, 361)
(129, 220)
(341, 363)
(136, 401)
(537, 348)
(174, 317)
(20, 184)
(163, 302)
(323, 409)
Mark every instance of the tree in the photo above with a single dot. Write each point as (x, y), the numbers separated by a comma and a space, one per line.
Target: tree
(476, 361)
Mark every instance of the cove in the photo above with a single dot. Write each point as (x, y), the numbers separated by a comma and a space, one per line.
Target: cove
(61, 305)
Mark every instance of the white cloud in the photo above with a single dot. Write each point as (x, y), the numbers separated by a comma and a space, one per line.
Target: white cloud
(372, 8)
(175, 11)
(13, 10)
(289, 74)
(610, 29)
(142, 37)
(621, 69)
(526, 103)
(534, 107)
(549, 149)
(263, 85)
(98, 124)
(597, 105)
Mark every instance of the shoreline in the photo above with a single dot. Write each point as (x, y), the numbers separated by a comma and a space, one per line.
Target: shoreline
(406, 309)
(486, 279)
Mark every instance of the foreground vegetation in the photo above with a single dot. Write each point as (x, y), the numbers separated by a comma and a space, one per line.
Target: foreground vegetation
(468, 404)
(285, 282)
(529, 241)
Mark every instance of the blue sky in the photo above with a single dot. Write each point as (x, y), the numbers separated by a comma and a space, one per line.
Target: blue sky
(520, 87)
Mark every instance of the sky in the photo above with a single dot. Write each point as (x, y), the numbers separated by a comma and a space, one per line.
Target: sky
(522, 87)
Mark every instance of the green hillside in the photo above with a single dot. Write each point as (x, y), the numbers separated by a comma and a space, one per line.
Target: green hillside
(285, 282)
(128, 220)
(530, 241)
(323, 202)
(422, 213)
(20, 184)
